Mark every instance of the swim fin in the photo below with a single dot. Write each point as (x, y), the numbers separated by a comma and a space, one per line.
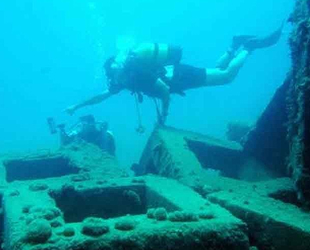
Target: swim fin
(240, 40)
(264, 42)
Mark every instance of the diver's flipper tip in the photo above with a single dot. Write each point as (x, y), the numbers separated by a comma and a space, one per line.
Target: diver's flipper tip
(267, 41)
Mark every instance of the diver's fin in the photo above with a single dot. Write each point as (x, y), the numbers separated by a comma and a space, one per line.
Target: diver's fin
(240, 40)
(265, 42)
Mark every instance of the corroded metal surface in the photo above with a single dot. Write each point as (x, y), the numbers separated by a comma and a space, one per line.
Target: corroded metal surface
(298, 100)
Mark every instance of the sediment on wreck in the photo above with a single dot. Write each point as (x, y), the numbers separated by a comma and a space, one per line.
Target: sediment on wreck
(298, 100)
(267, 141)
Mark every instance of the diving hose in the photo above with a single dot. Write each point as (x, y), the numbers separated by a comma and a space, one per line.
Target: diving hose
(140, 129)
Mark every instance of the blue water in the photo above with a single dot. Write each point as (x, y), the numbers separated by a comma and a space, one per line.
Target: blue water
(52, 52)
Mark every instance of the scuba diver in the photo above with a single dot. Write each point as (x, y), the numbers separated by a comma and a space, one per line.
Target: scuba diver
(87, 129)
(155, 70)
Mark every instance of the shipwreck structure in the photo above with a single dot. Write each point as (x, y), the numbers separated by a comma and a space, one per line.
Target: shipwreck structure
(191, 191)
(281, 138)
(298, 101)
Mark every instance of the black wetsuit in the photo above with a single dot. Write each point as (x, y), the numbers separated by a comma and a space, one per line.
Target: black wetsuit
(186, 77)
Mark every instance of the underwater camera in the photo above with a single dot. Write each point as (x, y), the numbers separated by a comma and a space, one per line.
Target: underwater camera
(87, 119)
(53, 127)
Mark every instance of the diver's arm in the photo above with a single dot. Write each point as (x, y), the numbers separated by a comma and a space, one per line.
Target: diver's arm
(164, 95)
(92, 101)
(165, 106)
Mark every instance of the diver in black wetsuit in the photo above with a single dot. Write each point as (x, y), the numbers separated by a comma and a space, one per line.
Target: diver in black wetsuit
(88, 130)
(155, 70)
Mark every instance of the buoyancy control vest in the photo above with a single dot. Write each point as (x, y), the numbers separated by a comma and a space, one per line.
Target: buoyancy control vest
(143, 65)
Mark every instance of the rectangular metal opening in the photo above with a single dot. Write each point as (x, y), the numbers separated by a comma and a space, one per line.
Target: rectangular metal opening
(38, 168)
(100, 202)
(107, 202)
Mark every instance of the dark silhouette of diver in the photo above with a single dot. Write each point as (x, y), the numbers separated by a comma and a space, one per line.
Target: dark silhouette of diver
(88, 130)
(155, 70)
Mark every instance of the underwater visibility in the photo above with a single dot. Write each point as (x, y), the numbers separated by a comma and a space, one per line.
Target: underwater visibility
(155, 125)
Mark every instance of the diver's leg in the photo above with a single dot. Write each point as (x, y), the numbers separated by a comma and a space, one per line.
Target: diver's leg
(225, 59)
(237, 42)
(229, 65)
(218, 76)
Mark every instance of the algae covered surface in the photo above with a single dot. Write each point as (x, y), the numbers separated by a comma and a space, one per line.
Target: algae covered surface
(36, 222)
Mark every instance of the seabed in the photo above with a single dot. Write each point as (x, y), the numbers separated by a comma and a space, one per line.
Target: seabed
(80, 198)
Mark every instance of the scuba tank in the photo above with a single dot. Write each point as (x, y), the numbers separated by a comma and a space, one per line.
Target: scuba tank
(158, 53)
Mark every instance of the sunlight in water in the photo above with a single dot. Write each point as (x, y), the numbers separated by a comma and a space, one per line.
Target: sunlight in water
(125, 43)
(92, 6)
